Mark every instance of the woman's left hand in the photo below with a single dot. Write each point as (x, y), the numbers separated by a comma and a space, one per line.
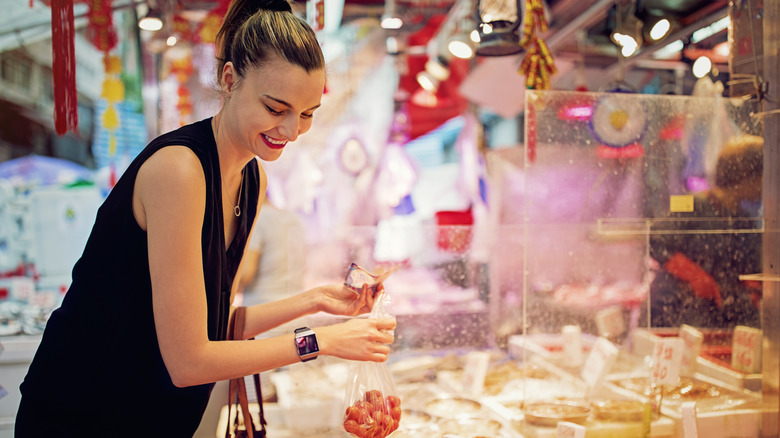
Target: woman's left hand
(338, 299)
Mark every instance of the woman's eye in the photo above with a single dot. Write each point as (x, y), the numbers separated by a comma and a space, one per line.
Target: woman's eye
(307, 116)
(273, 111)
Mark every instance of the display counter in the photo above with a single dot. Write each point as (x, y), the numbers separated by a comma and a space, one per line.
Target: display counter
(15, 357)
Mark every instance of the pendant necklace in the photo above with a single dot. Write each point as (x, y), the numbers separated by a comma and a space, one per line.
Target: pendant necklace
(237, 208)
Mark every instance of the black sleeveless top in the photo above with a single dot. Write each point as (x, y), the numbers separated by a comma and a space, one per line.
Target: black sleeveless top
(99, 363)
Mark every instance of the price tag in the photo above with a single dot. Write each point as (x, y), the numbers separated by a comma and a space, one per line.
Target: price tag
(746, 349)
(474, 372)
(681, 203)
(567, 429)
(572, 345)
(667, 357)
(610, 323)
(692, 338)
(599, 362)
(688, 412)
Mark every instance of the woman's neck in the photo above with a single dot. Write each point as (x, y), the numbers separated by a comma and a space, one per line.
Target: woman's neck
(230, 162)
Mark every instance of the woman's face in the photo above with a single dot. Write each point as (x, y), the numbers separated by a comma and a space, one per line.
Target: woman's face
(270, 106)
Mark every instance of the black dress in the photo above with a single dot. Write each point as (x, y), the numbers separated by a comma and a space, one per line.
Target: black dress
(98, 370)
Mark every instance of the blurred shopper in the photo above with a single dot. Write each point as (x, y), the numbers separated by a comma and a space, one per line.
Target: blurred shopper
(140, 336)
(697, 282)
(275, 257)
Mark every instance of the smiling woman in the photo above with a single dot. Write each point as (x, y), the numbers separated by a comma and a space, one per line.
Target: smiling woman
(146, 317)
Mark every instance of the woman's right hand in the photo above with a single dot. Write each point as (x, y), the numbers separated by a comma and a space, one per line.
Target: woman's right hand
(358, 339)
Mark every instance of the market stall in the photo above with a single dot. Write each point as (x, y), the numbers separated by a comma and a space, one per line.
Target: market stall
(527, 230)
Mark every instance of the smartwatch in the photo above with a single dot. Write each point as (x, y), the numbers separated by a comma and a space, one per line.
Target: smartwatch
(306, 343)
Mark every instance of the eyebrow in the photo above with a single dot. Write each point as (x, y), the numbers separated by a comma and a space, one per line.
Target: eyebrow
(288, 105)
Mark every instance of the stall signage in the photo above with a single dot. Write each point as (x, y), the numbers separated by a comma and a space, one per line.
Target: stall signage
(693, 339)
(568, 429)
(572, 345)
(667, 358)
(599, 361)
(688, 412)
(474, 372)
(610, 323)
(746, 349)
(681, 203)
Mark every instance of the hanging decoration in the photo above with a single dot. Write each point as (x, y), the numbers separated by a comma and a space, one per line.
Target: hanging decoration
(66, 117)
(210, 24)
(182, 29)
(101, 33)
(182, 68)
(100, 26)
(538, 65)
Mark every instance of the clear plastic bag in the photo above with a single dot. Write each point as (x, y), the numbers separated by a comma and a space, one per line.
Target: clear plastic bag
(373, 409)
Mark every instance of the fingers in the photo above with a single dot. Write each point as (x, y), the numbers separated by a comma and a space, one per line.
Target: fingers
(385, 323)
(381, 354)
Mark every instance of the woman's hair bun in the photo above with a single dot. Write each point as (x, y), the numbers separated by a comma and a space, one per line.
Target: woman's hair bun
(273, 5)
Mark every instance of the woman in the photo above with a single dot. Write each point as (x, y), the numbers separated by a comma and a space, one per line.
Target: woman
(140, 336)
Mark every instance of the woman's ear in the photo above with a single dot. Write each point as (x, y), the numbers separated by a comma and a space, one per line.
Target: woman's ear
(228, 78)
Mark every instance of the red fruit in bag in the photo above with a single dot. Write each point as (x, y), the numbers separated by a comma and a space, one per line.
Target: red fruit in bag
(395, 413)
(351, 426)
(374, 397)
(364, 405)
(376, 416)
(352, 413)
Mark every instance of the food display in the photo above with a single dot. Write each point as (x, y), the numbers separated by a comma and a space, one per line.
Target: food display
(550, 413)
(452, 406)
(620, 410)
(470, 426)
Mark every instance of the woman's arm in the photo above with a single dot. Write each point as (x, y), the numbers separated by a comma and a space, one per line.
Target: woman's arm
(169, 203)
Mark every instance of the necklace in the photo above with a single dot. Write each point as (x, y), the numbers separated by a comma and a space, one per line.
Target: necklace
(237, 208)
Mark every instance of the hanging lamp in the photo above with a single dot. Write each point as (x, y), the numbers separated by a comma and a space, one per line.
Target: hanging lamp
(499, 21)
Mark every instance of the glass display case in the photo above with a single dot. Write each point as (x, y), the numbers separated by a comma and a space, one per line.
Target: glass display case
(611, 287)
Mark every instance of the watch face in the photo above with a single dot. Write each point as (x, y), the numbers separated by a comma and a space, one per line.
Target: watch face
(307, 344)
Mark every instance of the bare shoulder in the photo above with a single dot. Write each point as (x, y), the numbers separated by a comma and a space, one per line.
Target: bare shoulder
(172, 163)
(171, 182)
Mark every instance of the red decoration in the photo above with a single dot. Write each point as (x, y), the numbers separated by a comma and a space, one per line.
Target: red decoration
(100, 27)
(210, 25)
(66, 116)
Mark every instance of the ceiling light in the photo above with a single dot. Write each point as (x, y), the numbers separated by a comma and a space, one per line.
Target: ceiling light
(712, 29)
(702, 66)
(627, 34)
(500, 21)
(171, 41)
(389, 22)
(427, 81)
(629, 48)
(660, 29)
(438, 68)
(392, 46)
(722, 49)
(151, 22)
(390, 18)
(461, 46)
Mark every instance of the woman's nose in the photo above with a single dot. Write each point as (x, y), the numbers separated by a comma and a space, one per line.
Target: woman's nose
(289, 128)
